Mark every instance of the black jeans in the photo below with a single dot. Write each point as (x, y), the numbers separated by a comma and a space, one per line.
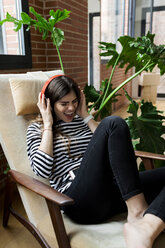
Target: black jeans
(108, 176)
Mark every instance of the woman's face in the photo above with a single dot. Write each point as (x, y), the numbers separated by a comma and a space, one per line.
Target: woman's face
(65, 108)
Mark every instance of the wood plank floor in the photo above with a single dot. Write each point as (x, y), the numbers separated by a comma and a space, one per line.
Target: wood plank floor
(15, 235)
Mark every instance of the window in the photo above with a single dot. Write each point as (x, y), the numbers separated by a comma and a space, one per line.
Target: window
(94, 38)
(112, 20)
(148, 15)
(15, 49)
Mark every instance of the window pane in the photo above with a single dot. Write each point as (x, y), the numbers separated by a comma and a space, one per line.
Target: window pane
(1, 40)
(12, 42)
(15, 47)
(112, 20)
(154, 22)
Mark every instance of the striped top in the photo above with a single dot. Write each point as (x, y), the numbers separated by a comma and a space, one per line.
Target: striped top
(69, 146)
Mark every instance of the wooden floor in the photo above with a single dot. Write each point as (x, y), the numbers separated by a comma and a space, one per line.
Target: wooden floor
(160, 104)
(15, 235)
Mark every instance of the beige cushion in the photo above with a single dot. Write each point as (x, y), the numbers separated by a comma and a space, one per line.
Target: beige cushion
(25, 94)
(37, 74)
(44, 74)
(53, 72)
(25, 90)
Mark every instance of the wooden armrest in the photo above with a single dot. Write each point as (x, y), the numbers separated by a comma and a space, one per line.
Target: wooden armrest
(150, 155)
(40, 188)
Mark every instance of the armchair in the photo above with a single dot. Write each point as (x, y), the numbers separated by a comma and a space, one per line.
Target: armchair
(43, 204)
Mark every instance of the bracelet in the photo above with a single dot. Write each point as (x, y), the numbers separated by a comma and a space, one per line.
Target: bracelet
(47, 129)
(88, 118)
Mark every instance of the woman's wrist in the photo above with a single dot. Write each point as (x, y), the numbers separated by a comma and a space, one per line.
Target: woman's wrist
(47, 125)
(88, 118)
(84, 115)
(47, 129)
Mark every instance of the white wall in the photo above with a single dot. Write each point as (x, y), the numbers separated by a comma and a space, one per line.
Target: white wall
(93, 6)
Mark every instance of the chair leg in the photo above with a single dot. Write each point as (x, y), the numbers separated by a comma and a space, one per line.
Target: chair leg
(10, 186)
(8, 200)
(58, 224)
(31, 228)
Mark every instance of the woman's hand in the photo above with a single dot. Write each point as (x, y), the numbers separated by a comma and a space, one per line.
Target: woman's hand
(46, 144)
(83, 113)
(82, 108)
(45, 110)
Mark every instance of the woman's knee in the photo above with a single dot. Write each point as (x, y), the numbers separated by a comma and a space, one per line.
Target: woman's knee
(114, 122)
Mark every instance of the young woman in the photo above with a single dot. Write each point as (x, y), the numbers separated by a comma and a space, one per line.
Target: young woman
(94, 164)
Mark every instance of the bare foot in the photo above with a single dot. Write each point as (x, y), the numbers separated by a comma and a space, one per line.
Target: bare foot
(136, 236)
(136, 215)
(136, 207)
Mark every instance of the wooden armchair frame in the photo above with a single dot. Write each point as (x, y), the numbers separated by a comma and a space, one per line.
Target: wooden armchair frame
(54, 199)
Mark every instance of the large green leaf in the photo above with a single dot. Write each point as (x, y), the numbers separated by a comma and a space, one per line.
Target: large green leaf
(91, 94)
(127, 54)
(17, 23)
(135, 53)
(148, 50)
(147, 127)
(58, 16)
(57, 36)
(41, 21)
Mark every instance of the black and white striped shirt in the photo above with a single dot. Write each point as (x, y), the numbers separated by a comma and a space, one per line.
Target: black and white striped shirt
(68, 151)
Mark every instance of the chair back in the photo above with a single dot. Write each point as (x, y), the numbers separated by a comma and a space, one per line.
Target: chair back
(13, 130)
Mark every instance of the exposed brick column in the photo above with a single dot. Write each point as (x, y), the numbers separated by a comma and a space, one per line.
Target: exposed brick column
(38, 46)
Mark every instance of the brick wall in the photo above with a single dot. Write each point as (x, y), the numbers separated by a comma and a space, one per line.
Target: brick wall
(38, 46)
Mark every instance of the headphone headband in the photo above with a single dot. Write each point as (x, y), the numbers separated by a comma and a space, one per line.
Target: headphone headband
(48, 82)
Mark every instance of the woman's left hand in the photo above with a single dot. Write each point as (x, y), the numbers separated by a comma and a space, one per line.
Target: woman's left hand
(83, 113)
(82, 108)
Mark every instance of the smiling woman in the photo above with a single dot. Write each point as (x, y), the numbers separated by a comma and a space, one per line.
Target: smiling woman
(15, 49)
(66, 107)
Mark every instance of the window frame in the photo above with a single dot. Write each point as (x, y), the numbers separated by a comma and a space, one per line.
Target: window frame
(19, 61)
(91, 16)
(143, 31)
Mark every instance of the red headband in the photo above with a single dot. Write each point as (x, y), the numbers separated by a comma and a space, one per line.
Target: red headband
(48, 82)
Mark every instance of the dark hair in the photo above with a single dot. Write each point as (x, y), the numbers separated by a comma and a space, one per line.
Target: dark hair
(60, 87)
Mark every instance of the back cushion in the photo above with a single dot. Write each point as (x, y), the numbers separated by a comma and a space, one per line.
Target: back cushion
(25, 94)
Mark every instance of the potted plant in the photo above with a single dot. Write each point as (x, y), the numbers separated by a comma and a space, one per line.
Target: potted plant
(141, 54)
(44, 26)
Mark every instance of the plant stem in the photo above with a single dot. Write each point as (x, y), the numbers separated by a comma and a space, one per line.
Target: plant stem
(93, 105)
(108, 85)
(110, 79)
(58, 51)
(59, 55)
(120, 86)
